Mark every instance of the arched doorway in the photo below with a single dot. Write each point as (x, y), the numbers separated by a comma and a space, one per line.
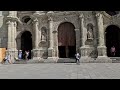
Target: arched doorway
(113, 39)
(26, 42)
(66, 40)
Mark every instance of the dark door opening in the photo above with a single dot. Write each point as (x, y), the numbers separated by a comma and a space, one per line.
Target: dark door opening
(66, 40)
(113, 39)
(26, 43)
(62, 51)
(72, 51)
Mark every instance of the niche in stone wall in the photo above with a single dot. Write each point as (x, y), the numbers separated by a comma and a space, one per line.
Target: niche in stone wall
(43, 37)
(26, 20)
(112, 13)
(90, 34)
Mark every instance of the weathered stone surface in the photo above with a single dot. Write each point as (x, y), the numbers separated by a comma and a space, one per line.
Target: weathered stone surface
(12, 26)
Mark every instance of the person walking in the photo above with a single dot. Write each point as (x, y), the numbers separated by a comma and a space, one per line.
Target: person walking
(26, 55)
(77, 56)
(8, 58)
(20, 54)
(113, 51)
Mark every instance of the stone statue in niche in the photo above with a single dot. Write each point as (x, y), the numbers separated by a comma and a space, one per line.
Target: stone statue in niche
(43, 34)
(90, 32)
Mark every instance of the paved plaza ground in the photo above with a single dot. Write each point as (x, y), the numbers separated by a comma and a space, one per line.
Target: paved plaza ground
(60, 71)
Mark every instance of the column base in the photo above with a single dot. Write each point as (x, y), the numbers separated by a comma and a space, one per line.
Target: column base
(50, 52)
(103, 59)
(88, 51)
(102, 51)
(38, 54)
(86, 59)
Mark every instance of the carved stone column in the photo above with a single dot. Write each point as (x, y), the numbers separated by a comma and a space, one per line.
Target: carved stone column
(101, 40)
(36, 23)
(102, 57)
(83, 49)
(77, 32)
(11, 27)
(9, 35)
(36, 50)
(50, 49)
(82, 30)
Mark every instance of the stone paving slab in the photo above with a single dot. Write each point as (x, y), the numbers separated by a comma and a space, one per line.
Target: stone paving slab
(60, 71)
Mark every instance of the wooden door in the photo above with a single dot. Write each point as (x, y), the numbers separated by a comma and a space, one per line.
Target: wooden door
(66, 37)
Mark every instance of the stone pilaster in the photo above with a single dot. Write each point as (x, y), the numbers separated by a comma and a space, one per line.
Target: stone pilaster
(36, 50)
(36, 23)
(77, 32)
(101, 40)
(82, 30)
(83, 49)
(11, 27)
(9, 34)
(50, 49)
(102, 57)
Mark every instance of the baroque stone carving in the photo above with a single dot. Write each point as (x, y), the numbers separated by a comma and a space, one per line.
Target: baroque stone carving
(89, 31)
(43, 34)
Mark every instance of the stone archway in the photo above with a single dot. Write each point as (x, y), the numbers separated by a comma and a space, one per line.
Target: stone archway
(26, 42)
(66, 40)
(113, 39)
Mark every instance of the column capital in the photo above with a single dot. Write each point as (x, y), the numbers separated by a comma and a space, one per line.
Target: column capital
(50, 18)
(35, 21)
(15, 24)
(81, 16)
(8, 22)
(98, 15)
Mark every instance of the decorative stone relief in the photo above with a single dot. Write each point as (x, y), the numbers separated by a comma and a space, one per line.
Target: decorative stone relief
(43, 34)
(90, 35)
(89, 31)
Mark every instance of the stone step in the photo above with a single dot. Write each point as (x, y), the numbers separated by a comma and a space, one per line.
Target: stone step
(20, 62)
(69, 60)
(66, 60)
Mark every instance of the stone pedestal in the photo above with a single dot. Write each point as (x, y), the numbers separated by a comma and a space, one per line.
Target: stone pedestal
(36, 54)
(86, 54)
(103, 59)
(86, 59)
(13, 53)
(50, 52)
(102, 56)
(39, 54)
(87, 51)
(101, 51)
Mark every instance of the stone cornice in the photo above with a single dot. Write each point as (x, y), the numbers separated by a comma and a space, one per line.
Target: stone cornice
(62, 13)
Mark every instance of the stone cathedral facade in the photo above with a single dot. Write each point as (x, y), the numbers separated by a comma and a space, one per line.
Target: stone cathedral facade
(60, 34)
